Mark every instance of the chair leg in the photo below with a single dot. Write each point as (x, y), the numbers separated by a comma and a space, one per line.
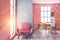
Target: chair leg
(18, 36)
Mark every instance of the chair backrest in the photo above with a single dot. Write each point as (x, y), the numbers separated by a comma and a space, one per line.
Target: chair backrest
(25, 26)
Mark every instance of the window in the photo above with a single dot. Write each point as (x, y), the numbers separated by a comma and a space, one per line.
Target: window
(45, 14)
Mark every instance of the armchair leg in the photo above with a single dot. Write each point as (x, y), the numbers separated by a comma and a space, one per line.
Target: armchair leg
(18, 36)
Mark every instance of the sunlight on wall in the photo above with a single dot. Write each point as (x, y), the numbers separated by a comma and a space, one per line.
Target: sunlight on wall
(12, 17)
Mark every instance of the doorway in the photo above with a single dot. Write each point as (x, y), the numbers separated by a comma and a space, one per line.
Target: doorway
(12, 18)
(45, 18)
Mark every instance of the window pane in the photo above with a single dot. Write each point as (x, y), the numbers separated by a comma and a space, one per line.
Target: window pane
(45, 9)
(42, 14)
(45, 14)
(49, 14)
(49, 8)
(42, 19)
(49, 20)
(42, 8)
(45, 19)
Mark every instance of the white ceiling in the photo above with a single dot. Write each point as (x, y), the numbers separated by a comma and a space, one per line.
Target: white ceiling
(46, 1)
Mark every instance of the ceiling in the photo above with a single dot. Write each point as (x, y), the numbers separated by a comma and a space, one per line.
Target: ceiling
(46, 1)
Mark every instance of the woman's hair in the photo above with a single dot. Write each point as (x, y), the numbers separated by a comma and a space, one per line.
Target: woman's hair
(52, 13)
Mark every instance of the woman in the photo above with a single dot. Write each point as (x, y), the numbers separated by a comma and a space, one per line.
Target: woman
(53, 23)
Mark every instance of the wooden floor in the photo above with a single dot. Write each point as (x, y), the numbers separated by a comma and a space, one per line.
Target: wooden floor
(38, 35)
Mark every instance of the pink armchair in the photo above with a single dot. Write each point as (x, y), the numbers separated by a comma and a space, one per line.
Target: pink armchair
(24, 29)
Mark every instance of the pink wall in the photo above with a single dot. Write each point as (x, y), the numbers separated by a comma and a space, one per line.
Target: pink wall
(36, 15)
(4, 19)
(55, 9)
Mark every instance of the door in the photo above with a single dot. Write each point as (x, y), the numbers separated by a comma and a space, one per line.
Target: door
(24, 12)
(45, 17)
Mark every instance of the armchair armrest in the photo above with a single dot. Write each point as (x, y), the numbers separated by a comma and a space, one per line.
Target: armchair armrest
(31, 30)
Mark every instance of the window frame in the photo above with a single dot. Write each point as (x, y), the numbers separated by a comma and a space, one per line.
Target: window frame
(44, 17)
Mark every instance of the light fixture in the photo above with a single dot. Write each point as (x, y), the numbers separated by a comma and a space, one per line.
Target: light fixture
(26, 14)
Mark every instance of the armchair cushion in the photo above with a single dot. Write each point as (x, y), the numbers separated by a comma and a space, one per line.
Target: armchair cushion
(24, 28)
